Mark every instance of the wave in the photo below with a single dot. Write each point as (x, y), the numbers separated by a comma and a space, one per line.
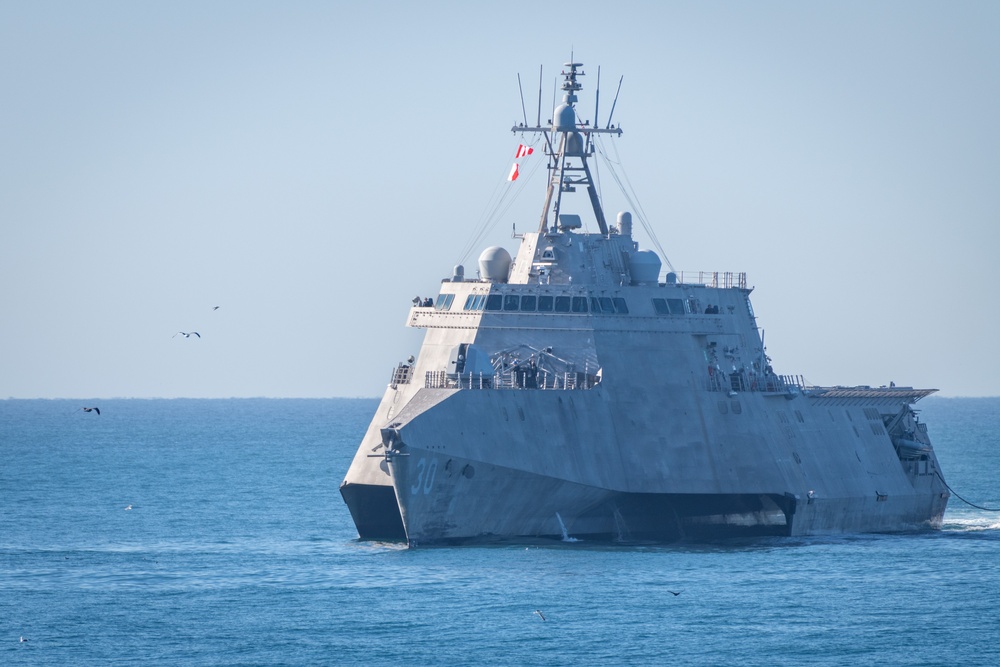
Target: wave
(970, 524)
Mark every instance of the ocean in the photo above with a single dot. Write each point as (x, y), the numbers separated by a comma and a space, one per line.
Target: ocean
(212, 532)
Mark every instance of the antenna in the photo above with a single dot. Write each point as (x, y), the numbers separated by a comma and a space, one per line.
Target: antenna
(521, 93)
(539, 123)
(597, 99)
(554, 83)
(615, 102)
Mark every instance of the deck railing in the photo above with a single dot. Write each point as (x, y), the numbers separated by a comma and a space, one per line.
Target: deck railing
(746, 381)
(510, 380)
(725, 279)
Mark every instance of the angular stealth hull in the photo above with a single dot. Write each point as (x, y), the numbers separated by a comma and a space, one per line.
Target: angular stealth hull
(572, 392)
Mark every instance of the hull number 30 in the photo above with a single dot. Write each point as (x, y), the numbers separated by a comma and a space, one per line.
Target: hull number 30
(425, 476)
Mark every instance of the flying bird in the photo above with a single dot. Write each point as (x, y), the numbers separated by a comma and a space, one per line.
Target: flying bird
(216, 308)
(97, 410)
(540, 614)
(129, 507)
(674, 593)
(186, 334)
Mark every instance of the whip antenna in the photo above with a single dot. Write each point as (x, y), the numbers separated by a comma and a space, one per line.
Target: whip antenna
(614, 103)
(521, 93)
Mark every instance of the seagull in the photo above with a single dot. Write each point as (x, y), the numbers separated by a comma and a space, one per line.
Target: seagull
(216, 308)
(97, 410)
(128, 508)
(23, 639)
(674, 593)
(186, 334)
(540, 614)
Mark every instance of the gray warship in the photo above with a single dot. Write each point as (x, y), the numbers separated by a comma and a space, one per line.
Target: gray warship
(570, 391)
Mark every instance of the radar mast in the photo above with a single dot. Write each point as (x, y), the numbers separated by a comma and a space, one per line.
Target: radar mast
(569, 143)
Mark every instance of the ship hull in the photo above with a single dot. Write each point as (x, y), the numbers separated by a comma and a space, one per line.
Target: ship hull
(451, 469)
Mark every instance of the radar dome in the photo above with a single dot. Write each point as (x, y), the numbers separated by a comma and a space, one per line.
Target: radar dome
(644, 266)
(494, 264)
(565, 118)
(574, 144)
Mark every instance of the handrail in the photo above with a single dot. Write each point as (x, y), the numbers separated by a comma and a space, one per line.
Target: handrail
(749, 381)
(510, 379)
(723, 279)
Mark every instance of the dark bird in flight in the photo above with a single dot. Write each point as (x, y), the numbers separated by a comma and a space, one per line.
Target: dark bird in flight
(97, 410)
(540, 614)
(674, 593)
(186, 334)
(216, 308)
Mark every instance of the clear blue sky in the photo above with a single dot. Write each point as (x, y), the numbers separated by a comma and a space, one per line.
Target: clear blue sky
(311, 166)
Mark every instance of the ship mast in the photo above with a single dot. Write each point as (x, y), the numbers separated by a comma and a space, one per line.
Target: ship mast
(568, 144)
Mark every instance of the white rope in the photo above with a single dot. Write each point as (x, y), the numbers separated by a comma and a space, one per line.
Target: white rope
(631, 198)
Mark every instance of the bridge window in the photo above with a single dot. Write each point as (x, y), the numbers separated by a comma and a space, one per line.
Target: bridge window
(528, 303)
(511, 302)
(620, 306)
(676, 306)
(545, 304)
(494, 302)
(444, 301)
(595, 305)
(607, 305)
(660, 306)
(475, 302)
(562, 304)
(579, 304)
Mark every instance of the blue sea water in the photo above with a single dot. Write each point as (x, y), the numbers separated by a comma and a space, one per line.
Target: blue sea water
(238, 550)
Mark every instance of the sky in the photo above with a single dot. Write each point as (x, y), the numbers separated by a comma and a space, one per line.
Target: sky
(309, 167)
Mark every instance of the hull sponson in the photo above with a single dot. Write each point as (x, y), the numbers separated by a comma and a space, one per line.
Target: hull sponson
(375, 511)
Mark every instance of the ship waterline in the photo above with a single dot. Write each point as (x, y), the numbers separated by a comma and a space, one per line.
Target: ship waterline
(573, 390)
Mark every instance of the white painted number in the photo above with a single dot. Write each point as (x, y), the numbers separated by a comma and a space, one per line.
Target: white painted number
(425, 476)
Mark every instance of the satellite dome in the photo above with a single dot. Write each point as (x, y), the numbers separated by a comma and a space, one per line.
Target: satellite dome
(494, 264)
(644, 266)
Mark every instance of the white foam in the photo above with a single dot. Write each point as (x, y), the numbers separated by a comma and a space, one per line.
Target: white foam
(565, 534)
(972, 523)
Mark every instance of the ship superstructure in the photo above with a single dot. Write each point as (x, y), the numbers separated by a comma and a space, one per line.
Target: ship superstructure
(571, 390)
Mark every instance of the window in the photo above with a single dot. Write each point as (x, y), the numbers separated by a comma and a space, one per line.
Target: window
(494, 302)
(620, 306)
(562, 304)
(511, 302)
(475, 302)
(545, 304)
(579, 304)
(660, 306)
(595, 305)
(469, 300)
(528, 303)
(444, 301)
(606, 305)
(676, 306)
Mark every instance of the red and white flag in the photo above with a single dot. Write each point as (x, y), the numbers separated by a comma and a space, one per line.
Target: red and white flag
(512, 176)
(523, 151)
